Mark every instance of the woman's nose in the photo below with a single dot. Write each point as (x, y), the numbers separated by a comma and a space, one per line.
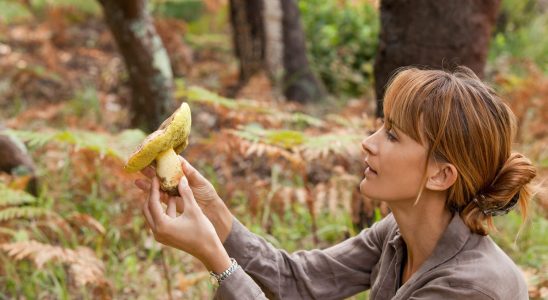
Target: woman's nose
(368, 144)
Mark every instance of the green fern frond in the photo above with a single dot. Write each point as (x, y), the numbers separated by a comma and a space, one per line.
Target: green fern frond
(323, 145)
(33, 139)
(14, 197)
(312, 146)
(104, 144)
(23, 212)
(285, 138)
(201, 95)
(276, 137)
(299, 118)
(86, 140)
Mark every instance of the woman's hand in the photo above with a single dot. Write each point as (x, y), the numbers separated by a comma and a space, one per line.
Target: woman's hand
(203, 190)
(204, 193)
(190, 231)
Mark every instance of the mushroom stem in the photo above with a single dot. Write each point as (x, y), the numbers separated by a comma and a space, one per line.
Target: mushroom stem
(169, 170)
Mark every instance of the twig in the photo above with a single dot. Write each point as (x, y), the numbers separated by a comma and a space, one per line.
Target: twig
(166, 274)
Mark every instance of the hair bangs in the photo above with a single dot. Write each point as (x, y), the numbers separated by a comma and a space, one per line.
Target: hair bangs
(404, 102)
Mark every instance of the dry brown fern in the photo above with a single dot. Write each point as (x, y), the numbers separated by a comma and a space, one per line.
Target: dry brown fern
(84, 267)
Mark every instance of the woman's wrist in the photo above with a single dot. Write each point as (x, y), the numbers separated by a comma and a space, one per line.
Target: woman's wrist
(221, 218)
(216, 259)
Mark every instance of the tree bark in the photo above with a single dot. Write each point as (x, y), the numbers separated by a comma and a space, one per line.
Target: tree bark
(299, 82)
(268, 36)
(146, 60)
(433, 34)
(15, 160)
(246, 18)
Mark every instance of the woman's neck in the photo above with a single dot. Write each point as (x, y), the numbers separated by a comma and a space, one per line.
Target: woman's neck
(421, 227)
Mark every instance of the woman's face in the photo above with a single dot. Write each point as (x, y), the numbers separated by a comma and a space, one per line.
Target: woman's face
(394, 166)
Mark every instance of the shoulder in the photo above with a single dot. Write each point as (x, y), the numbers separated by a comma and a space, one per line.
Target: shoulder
(483, 267)
(369, 243)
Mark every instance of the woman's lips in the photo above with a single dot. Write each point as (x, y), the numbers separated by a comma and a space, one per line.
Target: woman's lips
(369, 171)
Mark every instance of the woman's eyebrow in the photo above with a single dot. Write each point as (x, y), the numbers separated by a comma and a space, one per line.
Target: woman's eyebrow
(392, 124)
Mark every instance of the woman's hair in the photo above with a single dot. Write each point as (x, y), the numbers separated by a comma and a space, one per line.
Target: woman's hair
(463, 121)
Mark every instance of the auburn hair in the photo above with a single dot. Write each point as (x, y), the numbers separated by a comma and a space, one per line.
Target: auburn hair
(462, 121)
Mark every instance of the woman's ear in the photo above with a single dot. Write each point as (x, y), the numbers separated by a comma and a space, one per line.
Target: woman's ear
(443, 176)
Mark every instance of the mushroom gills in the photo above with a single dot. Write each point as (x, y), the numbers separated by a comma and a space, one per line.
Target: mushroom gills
(169, 170)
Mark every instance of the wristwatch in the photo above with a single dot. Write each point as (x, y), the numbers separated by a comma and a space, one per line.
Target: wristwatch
(224, 275)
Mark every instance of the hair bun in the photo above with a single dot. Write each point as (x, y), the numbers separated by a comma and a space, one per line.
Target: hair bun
(506, 189)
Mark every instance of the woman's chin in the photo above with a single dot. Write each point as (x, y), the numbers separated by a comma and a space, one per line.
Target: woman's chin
(368, 191)
(364, 189)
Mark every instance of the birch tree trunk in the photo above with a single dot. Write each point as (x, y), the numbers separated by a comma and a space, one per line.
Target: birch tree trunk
(146, 60)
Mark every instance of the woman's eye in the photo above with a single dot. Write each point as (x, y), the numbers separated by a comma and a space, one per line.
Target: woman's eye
(390, 136)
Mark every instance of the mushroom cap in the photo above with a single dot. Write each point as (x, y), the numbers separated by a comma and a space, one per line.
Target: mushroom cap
(173, 133)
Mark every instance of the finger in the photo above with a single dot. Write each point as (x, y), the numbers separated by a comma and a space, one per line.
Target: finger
(172, 207)
(164, 197)
(148, 217)
(149, 172)
(193, 176)
(143, 184)
(187, 196)
(179, 205)
(154, 204)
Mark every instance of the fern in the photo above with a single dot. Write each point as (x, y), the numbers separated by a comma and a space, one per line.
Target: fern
(14, 197)
(26, 212)
(33, 139)
(101, 143)
(322, 145)
(84, 266)
(275, 137)
(201, 95)
(311, 146)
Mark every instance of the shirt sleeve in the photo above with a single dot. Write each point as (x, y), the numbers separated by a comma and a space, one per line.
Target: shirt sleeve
(433, 292)
(239, 286)
(333, 273)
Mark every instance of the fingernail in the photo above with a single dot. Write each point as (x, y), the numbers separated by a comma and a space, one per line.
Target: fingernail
(184, 182)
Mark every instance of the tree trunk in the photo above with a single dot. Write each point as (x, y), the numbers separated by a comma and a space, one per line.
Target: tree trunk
(433, 34)
(299, 82)
(15, 160)
(246, 18)
(268, 36)
(146, 60)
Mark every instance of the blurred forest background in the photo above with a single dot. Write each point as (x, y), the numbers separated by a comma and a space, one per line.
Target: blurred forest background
(281, 92)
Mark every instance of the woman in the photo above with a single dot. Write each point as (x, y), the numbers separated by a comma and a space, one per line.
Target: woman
(443, 163)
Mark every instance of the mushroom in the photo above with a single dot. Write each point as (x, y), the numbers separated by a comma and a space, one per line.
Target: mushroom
(162, 146)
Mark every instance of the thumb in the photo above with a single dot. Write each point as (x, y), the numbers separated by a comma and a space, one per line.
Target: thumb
(193, 176)
(186, 193)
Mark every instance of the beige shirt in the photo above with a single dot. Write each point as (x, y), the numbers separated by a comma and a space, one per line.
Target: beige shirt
(463, 265)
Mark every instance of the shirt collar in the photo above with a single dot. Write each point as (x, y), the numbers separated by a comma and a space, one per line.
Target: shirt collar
(450, 244)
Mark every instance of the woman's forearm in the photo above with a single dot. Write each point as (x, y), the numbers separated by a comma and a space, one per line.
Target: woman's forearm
(220, 216)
